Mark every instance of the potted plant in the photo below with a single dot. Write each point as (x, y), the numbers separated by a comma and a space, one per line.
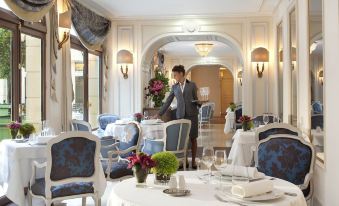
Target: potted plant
(26, 129)
(246, 122)
(232, 106)
(14, 128)
(140, 163)
(166, 164)
(138, 117)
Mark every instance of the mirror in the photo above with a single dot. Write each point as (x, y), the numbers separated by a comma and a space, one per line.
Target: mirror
(280, 71)
(294, 68)
(316, 75)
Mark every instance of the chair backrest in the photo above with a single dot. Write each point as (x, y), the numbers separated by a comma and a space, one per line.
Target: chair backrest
(276, 128)
(105, 119)
(238, 113)
(106, 145)
(205, 111)
(176, 136)
(287, 157)
(133, 131)
(72, 157)
(317, 107)
(317, 120)
(80, 125)
(260, 119)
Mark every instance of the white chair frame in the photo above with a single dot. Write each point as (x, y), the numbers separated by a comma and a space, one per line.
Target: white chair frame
(86, 124)
(180, 121)
(277, 125)
(49, 183)
(120, 152)
(308, 177)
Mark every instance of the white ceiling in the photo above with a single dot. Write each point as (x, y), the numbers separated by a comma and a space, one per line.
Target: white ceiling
(156, 8)
(187, 49)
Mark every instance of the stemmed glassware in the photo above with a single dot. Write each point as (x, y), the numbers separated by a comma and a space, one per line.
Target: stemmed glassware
(220, 162)
(208, 158)
(266, 119)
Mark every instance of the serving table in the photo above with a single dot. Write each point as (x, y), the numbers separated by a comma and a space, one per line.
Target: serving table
(16, 168)
(127, 194)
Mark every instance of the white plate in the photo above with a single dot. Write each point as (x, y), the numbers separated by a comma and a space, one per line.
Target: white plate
(275, 194)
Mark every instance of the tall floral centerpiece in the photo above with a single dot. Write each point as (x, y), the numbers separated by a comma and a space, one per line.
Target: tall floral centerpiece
(14, 128)
(246, 122)
(141, 164)
(157, 88)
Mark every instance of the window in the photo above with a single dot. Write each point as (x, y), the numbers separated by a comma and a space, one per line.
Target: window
(86, 78)
(22, 74)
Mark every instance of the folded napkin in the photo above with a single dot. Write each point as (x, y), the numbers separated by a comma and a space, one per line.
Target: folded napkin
(252, 188)
(241, 171)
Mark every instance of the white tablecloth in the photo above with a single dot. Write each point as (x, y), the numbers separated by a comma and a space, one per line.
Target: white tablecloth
(230, 121)
(149, 131)
(318, 137)
(16, 168)
(126, 193)
(241, 152)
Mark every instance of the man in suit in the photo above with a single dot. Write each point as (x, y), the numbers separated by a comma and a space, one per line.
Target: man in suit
(185, 93)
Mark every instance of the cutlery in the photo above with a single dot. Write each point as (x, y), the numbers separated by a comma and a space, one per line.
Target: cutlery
(229, 201)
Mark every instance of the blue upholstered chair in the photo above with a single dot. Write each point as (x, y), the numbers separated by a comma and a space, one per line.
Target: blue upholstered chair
(205, 114)
(114, 156)
(317, 107)
(317, 120)
(287, 157)
(260, 119)
(276, 128)
(80, 125)
(72, 169)
(175, 141)
(238, 114)
(104, 120)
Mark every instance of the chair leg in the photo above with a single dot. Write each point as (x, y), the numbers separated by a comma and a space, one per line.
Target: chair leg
(97, 201)
(184, 164)
(83, 202)
(29, 198)
(48, 202)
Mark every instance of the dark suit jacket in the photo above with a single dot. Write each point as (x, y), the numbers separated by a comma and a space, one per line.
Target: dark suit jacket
(185, 106)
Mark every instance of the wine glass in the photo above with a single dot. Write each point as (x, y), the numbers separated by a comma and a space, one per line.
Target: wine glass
(208, 158)
(266, 119)
(220, 162)
(276, 119)
(145, 114)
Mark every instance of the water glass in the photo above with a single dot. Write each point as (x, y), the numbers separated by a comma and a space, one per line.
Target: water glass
(220, 162)
(266, 119)
(276, 119)
(240, 177)
(145, 114)
(208, 158)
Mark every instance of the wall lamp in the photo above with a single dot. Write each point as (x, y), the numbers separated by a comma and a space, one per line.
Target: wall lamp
(258, 55)
(240, 77)
(64, 24)
(124, 57)
(321, 77)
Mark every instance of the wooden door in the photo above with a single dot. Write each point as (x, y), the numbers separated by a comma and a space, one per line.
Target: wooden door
(226, 84)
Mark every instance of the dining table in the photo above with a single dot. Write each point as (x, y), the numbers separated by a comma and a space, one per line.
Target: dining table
(16, 158)
(129, 193)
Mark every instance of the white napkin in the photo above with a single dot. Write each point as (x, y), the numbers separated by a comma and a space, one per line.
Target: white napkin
(252, 188)
(241, 171)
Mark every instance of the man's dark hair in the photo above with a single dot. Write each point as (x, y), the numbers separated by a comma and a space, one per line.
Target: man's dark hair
(179, 69)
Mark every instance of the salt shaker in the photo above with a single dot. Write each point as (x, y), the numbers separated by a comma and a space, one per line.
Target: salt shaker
(172, 183)
(182, 183)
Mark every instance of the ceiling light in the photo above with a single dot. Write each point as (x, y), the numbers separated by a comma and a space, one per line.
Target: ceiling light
(203, 49)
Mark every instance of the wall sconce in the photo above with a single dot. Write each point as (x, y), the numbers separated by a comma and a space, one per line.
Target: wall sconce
(65, 24)
(260, 54)
(321, 77)
(240, 77)
(221, 72)
(124, 57)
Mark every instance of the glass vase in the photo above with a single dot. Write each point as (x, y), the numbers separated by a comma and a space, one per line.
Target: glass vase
(14, 133)
(140, 174)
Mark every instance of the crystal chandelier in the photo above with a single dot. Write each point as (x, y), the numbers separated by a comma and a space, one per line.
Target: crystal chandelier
(203, 49)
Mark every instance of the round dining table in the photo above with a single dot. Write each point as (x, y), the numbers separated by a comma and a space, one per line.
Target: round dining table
(128, 193)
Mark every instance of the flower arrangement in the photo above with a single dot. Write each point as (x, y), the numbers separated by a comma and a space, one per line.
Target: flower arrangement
(157, 88)
(26, 129)
(140, 163)
(166, 164)
(14, 128)
(246, 122)
(232, 106)
(138, 117)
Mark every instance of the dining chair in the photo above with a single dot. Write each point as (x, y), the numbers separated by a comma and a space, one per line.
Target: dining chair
(114, 156)
(317, 120)
(80, 125)
(287, 157)
(71, 170)
(104, 120)
(317, 107)
(238, 114)
(276, 128)
(260, 119)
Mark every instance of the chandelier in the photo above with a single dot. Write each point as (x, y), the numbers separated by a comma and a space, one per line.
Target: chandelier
(203, 49)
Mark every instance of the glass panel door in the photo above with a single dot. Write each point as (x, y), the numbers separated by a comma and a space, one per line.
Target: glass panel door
(77, 66)
(6, 44)
(93, 89)
(30, 108)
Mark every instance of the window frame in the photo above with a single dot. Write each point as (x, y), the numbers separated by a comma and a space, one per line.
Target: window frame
(76, 44)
